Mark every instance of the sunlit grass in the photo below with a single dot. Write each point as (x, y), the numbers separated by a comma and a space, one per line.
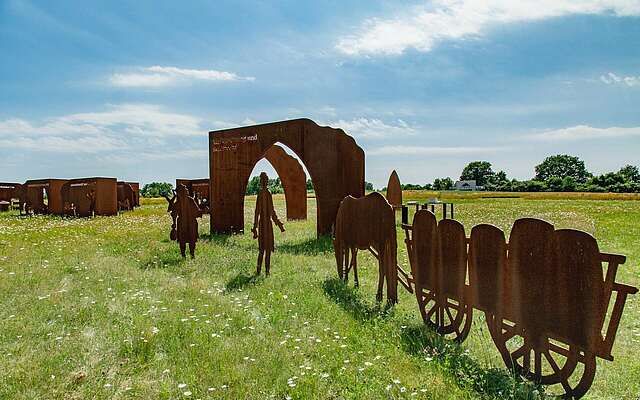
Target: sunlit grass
(106, 308)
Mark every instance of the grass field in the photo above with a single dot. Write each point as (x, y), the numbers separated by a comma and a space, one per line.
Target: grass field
(106, 308)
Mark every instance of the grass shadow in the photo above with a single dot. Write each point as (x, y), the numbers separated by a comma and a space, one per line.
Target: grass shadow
(352, 301)
(166, 259)
(321, 245)
(218, 238)
(454, 359)
(242, 280)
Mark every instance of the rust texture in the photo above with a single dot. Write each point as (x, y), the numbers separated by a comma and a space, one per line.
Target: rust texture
(85, 197)
(394, 190)
(333, 159)
(184, 213)
(199, 190)
(135, 186)
(262, 224)
(43, 196)
(546, 294)
(11, 193)
(367, 223)
(293, 179)
(126, 196)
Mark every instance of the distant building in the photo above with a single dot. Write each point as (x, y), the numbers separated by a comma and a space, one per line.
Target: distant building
(466, 185)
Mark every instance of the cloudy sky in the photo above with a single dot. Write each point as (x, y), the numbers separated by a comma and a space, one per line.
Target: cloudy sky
(130, 89)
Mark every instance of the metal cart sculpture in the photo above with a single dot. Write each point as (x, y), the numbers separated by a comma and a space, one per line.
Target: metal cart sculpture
(544, 294)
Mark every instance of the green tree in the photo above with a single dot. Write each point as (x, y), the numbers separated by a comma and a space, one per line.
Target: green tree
(443, 184)
(309, 185)
(157, 189)
(368, 186)
(630, 172)
(562, 165)
(479, 171)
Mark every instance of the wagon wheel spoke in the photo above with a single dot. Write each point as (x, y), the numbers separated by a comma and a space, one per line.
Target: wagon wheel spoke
(451, 319)
(537, 364)
(563, 379)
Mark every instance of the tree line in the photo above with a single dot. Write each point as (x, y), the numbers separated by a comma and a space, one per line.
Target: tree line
(558, 173)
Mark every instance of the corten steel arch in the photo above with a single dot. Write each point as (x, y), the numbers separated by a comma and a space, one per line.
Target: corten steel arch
(333, 159)
(293, 180)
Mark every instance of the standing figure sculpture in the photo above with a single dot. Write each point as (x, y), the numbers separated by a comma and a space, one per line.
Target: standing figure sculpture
(186, 213)
(262, 227)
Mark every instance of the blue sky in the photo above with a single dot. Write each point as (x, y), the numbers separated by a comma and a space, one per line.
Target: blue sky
(130, 89)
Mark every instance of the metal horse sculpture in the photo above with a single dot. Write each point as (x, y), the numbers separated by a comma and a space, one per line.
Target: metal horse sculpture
(367, 223)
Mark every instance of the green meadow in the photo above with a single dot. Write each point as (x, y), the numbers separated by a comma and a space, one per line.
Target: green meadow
(106, 308)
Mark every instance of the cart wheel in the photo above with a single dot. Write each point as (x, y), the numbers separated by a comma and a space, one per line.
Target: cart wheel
(548, 363)
(450, 318)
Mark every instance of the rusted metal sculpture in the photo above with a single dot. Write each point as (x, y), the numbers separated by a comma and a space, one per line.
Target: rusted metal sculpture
(544, 294)
(43, 196)
(185, 213)
(86, 197)
(199, 190)
(333, 159)
(173, 211)
(12, 193)
(126, 196)
(367, 223)
(293, 179)
(262, 226)
(135, 186)
(394, 190)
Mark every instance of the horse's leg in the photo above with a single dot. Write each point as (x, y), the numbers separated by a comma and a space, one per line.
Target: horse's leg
(354, 260)
(380, 275)
(346, 266)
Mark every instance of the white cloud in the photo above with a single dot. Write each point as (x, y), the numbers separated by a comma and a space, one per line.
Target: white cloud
(55, 144)
(373, 128)
(158, 76)
(423, 27)
(123, 119)
(431, 151)
(582, 132)
(613, 79)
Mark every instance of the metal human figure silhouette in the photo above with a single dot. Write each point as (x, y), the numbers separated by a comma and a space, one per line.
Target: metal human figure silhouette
(262, 226)
(187, 212)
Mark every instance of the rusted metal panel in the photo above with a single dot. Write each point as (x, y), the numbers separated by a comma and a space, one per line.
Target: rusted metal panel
(368, 223)
(10, 191)
(136, 191)
(293, 179)
(84, 197)
(394, 190)
(488, 279)
(199, 190)
(333, 159)
(126, 196)
(38, 189)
